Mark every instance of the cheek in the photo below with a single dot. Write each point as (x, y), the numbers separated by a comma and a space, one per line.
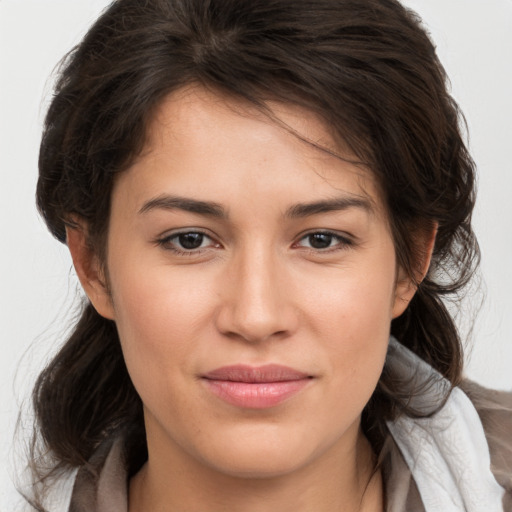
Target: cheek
(353, 318)
(159, 316)
(353, 304)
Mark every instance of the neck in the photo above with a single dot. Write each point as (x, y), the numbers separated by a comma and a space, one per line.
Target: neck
(330, 483)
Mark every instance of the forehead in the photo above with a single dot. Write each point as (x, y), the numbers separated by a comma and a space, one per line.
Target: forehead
(194, 106)
(202, 138)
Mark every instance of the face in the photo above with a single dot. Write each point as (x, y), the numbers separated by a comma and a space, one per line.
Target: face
(253, 281)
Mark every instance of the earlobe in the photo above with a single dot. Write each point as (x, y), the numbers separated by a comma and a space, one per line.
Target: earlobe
(406, 285)
(89, 270)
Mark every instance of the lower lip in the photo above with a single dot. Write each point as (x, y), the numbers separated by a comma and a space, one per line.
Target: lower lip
(257, 395)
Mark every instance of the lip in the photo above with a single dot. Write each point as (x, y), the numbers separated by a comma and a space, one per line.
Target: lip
(253, 387)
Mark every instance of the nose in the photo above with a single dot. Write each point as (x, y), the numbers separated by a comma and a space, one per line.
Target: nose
(257, 302)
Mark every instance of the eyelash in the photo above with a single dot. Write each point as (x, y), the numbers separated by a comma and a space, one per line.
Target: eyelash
(166, 243)
(343, 242)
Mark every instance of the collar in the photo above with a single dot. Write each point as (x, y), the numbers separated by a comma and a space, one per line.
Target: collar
(446, 451)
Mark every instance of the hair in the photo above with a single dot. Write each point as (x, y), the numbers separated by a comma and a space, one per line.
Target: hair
(367, 68)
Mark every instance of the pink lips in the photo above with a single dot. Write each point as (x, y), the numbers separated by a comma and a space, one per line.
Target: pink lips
(255, 387)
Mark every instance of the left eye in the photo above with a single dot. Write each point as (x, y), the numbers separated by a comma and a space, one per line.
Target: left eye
(321, 241)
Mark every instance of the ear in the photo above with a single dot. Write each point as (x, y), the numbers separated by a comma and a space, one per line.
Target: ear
(406, 285)
(89, 269)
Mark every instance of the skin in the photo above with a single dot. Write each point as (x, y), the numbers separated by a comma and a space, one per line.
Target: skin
(255, 292)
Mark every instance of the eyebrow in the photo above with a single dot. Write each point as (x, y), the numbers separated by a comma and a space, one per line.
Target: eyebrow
(329, 205)
(212, 209)
(167, 202)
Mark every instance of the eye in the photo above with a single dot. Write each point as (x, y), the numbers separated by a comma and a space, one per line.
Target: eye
(186, 242)
(323, 241)
(190, 241)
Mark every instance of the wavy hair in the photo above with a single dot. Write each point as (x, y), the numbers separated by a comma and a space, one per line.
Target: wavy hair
(366, 67)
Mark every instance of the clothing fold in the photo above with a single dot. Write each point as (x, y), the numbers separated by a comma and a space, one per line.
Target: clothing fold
(446, 451)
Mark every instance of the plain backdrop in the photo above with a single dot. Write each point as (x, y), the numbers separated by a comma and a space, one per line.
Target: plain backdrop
(37, 285)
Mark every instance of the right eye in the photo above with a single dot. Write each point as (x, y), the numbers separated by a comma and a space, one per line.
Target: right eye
(186, 242)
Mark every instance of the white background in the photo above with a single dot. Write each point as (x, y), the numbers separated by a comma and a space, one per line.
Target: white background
(37, 287)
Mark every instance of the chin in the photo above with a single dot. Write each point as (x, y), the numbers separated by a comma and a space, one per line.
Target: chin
(265, 455)
(259, 464)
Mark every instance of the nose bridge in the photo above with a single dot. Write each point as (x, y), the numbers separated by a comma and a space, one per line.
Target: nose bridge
(256, 304)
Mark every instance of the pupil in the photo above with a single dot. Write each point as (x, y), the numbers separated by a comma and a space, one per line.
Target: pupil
(320, 240)
(191, 240)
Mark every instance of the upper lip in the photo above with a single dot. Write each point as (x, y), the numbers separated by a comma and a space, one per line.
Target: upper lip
(255, 374)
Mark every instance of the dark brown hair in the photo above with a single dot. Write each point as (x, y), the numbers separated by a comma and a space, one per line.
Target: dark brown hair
(366, 67)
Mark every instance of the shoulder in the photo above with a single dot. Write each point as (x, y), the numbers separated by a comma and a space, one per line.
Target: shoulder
(450, 435)
(495, 411)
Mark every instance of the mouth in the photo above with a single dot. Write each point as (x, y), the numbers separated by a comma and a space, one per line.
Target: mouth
(255, 387)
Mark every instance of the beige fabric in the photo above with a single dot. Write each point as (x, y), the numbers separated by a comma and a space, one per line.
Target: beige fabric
(102, 485)
(495, 411)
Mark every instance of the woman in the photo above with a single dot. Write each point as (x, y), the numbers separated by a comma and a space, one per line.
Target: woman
(265, 202)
